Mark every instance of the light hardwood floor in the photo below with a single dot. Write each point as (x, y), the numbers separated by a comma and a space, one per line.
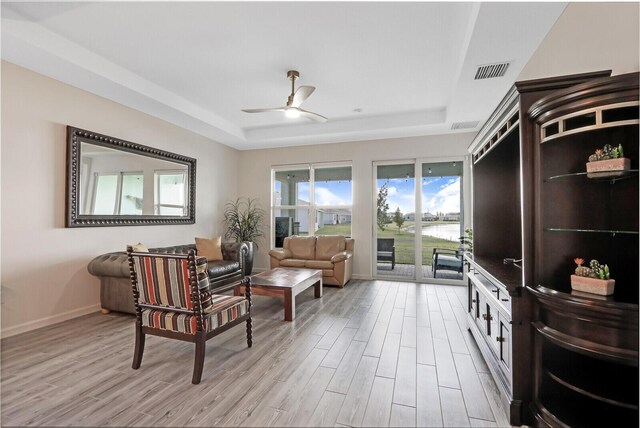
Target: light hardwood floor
(375, 353)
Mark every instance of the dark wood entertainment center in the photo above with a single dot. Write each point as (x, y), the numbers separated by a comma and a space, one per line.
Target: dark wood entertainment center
(559, 358)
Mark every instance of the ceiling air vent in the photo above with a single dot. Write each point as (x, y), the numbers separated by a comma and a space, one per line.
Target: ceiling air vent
(491, 70)
(464, 125)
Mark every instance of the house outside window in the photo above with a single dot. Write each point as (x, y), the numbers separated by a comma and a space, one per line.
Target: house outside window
(310, 200)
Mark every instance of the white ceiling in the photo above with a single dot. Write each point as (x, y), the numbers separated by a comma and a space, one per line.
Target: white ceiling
(409, 67)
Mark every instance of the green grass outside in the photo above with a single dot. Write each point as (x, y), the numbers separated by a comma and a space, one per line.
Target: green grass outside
(404, 241)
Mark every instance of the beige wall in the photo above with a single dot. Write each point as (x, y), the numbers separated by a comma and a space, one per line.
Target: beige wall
(44, 274)
(589, 37)
(256, 164)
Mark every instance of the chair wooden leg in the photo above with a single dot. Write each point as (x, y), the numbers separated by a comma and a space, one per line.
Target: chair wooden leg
(139, 349)
(198, 364)
(249, 337)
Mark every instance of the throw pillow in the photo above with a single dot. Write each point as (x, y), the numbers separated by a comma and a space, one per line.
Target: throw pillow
(209, 248)
(139, 248)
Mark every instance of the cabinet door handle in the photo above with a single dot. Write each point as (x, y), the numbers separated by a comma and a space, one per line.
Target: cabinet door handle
(487, 317)
(473, 300)
(494, 291)
(500, 339)
(505, 300)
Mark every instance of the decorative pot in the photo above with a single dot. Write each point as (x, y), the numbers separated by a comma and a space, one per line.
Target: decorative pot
(608, 167)
(603, 287)
(248, 260)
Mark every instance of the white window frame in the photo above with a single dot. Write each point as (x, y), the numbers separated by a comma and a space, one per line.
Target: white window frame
(156, 190)
(119, 175)
(312, 209)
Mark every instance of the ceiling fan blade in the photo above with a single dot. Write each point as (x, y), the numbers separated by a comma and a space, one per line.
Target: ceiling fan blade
(313, 116)
(263, 110)
(302, 94)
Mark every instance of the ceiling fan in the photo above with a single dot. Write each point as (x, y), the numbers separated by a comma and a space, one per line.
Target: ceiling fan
(292, 109)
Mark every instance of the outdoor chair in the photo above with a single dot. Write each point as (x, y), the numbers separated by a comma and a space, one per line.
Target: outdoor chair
(387, 251)
(447, 259)
(173, 300)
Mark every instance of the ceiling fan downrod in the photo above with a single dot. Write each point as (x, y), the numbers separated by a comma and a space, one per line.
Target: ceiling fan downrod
(293, 76)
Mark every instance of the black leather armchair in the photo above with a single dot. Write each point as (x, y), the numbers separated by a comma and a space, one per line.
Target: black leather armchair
(115, 281)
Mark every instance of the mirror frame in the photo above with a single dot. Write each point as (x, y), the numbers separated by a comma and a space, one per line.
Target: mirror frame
(73, 218)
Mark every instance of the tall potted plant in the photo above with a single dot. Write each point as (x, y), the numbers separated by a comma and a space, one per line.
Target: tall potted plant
(244, 221)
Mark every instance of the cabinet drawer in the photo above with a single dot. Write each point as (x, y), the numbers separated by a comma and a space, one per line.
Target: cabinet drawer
(496, 295)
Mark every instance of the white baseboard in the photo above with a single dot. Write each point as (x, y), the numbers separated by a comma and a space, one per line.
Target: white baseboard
(47, 321)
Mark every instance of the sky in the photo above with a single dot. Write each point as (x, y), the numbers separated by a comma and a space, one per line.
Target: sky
(326, 193)
(439, 194)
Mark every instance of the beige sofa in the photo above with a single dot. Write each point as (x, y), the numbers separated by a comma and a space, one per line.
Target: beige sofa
(332, 254)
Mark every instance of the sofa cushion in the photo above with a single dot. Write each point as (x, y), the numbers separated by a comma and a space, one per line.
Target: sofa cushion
(302, 247)
(292, 263)
(210, 248)
(216, 268)
(318, 264)
(327, 246)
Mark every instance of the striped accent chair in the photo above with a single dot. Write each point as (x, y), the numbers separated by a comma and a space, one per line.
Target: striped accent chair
(172, 299)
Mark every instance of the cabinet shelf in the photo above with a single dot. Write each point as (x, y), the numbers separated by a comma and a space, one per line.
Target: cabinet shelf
(577, 410)
(630, 173)
(564, 379)
(613, 232)
(561, 290)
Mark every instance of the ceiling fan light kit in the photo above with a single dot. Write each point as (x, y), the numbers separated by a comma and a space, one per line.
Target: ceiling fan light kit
(295, 99)
(292, 112)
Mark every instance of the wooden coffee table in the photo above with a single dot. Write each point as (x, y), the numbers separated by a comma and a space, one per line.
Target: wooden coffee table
(286, 283)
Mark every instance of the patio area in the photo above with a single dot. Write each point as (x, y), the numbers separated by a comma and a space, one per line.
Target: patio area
(408, 271)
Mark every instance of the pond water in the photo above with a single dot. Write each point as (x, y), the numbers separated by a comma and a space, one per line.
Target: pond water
(450, 231)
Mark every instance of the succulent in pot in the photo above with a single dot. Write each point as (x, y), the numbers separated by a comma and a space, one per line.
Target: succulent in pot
(609, 161)
(596, 278)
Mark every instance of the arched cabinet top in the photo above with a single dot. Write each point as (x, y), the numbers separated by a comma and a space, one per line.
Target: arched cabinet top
(608, 90)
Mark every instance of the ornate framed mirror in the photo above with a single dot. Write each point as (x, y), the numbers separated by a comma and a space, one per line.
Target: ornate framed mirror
(112, 182)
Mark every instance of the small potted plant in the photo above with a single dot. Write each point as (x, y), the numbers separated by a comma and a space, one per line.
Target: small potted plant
(595, 278)
(607, 162)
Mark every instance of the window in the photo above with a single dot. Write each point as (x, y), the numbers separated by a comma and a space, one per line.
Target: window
(311, 200)
(118, 193)
(169, 193)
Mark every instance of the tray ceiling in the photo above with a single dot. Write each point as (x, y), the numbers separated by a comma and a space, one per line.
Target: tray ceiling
(381, 70)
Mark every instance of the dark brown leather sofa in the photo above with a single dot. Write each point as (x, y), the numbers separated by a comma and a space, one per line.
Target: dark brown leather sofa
(115, 282)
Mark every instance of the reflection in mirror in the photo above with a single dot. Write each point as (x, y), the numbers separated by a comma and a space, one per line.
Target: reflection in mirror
(112, 182)
(122, 183)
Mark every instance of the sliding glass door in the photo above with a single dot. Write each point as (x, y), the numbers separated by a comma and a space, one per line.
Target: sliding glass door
(442, 219)
(394, 228)
(418, 220)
